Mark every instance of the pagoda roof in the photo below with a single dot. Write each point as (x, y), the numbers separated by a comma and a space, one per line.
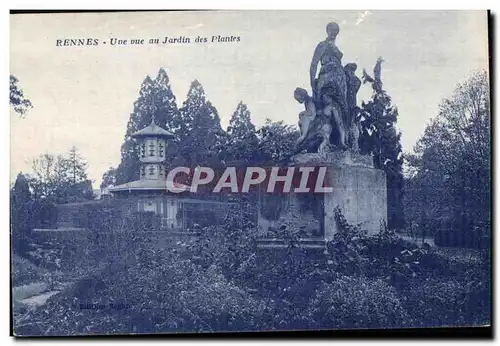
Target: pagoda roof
(153, 130)
(146, 185)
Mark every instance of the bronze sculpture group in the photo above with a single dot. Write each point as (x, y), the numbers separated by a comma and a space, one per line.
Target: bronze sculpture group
(331, 117)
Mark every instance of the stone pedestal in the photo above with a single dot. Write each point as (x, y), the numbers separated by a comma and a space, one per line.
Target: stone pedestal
(361, 193)
(358, 189)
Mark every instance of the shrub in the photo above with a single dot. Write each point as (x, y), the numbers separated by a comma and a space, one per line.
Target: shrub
(387, 244)
(440, 302)
(142, 221)
(47, 256)
(345, 252)
(43, 213)
(386, 255)
(25, 217)
(219, 305)
(62, 250)
(356, 302)
(98, 217)
(160, 292)
(24, 272)
(393, 258)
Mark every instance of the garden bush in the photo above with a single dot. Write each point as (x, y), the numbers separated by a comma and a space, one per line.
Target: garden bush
(25, 217)
(98, 217)
(356, 302)
(43, 214)
(439, 302)
(156, 291)
(142, 221)
(24, 272)
(217, 281)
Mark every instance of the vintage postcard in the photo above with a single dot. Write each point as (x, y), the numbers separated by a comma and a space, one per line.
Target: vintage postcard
(236, 171)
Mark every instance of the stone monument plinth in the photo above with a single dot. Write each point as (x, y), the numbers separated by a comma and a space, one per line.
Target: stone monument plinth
(358, 189)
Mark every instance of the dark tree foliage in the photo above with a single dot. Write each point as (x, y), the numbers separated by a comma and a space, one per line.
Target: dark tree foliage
(20, 200)
(380, 138)
(200, 135)
(61, 178)
(242, 141)
(27, 212)
(76, 167)
(449, 184)
(155, 99)
(17, 98)
(108, 178)
(276, 142)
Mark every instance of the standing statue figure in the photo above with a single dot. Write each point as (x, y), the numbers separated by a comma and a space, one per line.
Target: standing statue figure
(315, 129)
(352, 121)
(330, 88)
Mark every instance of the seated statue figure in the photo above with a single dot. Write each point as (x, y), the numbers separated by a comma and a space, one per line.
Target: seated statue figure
(306, 116)
(314, 127)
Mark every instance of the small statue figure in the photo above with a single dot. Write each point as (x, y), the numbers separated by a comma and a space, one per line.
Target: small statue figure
(352, 119)
(306, 116)
(354, 133)
(375, 81)
(315, 129)
(325, 132)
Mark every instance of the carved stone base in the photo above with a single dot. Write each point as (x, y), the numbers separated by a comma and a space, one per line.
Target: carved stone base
(358, 189)
(361, 194)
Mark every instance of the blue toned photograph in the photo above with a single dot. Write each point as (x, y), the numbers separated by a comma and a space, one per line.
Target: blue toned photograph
(249, 171)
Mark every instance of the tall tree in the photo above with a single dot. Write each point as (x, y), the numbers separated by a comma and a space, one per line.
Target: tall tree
(155, 99)
(200, 135)
(60, 178)
(77, 167)
(78, 184)
(21, 192)
(165, 107)
(242, 141)
(380, 138)
(20, 207)
(45, 172)
(450, 177)
(17, 99)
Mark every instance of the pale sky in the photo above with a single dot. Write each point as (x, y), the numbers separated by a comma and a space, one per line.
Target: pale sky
(83, 96)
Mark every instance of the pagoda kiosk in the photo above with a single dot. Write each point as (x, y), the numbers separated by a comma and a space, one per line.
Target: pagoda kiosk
(149, 193)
